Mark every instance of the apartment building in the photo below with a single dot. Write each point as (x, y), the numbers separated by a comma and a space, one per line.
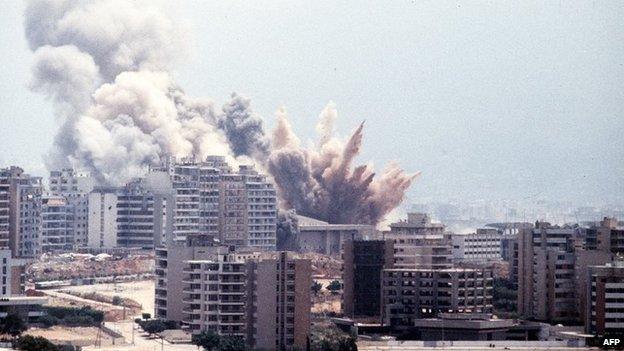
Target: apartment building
(74, 186)
(480, 247)
(607, 235)
(261, 297)
(135, 216)
(102, 227)
(57, 218)
(171, 261)
(419, 243)
(363, 263)
(411, 294)
(25, 193)
(546, 273)
(5, 191)
(215, 296)
(20, 230)
(605, 299)
(279, 302)
(238, 207)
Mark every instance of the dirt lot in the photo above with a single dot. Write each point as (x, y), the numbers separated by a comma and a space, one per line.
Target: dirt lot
(141, 292)
(79, 336)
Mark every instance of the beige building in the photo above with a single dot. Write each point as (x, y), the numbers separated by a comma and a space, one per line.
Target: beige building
(328, 239)
(237, 207)
(260, 296)
(419, 243)
(279, 302)
(482, 246)
(552, 265)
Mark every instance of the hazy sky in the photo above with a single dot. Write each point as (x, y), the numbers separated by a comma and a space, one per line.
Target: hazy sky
(489, 99)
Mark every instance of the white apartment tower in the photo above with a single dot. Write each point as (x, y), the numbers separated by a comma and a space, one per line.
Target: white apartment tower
(239, 208)
(57, 218)
(102, 216)
(75, 187)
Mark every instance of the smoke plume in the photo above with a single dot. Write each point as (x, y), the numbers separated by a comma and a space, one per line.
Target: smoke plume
(105, 64)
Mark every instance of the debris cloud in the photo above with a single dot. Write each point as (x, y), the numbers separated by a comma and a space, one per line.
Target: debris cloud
(105, 64)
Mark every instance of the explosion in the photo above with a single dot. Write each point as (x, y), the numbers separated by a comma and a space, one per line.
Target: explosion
(106, 66)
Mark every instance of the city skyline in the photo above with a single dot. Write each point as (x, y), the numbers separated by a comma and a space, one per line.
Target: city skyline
(540, 122)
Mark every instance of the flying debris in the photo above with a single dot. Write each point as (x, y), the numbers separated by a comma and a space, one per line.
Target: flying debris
(105, 65)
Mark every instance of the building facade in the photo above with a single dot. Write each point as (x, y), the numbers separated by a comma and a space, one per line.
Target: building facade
(102, 227)
(74, 187)
(25, 196)
(328, 239)
(605, 294)
(419, 243)
(237, 207)
(411, 294)
(57, 218)
(363, 263)
(480, 247)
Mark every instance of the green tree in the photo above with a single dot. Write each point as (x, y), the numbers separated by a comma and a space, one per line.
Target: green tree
(13, 325)
(232, 343)
(117, 300)
(207, 340)
(153, 326)
(31, 343)
(316, 287)
(334, 286)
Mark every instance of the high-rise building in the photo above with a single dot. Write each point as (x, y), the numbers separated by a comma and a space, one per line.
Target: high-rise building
(25, 194)
(102, 227)
(363, 263)
(410, 294)
(278, 302)
(605, 299)
(263, 298)
(606, 236)
(419, 243)
(20, 230)
(135, 216)
(5, 191)
(57, 218)
(482, 246)
(239, 208)
(74, 187)
(171, 261)
(546, 275)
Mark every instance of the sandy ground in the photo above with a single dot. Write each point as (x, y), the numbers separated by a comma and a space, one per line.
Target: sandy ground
(80, 336)
(140, 291)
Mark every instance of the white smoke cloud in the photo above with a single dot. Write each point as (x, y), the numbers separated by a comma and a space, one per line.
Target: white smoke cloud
(105, 64)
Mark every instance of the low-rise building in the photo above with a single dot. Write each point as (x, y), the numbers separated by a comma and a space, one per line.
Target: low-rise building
(328, 239)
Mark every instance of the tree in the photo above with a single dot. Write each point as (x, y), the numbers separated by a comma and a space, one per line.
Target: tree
(117, 300)
(207, 340)
(316, 287)
(334, 286)
(232, 343)
(153, 326)
(39, 343)
(13, 325)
